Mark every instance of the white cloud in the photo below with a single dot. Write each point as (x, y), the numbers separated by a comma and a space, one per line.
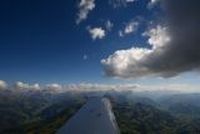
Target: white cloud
(131, 27)
(54, 87)
(157, 36)
(109, 25)
(120, 33)
(126, 63)
(20, 85)
(95, 87)
(85, 6)
(129, 1)
(97, 33)
(85, 57)
(171, 88)
(135, 62)
(153, 3)
(174, 49)
(58, 88)
(119, 3)
(84, 87)
(3, 84)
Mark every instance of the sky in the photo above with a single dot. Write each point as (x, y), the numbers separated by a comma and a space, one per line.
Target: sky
(95, 41)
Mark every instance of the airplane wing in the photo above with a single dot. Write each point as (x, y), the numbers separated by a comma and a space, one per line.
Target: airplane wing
(95, 117)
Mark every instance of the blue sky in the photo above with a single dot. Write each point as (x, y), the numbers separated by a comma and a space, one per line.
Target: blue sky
(40, 40)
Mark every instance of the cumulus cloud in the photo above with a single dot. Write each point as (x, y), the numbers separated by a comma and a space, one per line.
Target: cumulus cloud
(97, 33)
(3, 84)
(174, 46)
(131, 62)
(158, 36)
(131, 27)
(126, 63)
(85, 6)
(21, 85)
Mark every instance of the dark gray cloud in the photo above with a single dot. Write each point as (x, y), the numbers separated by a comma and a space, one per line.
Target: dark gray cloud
(175, 45)
(183, 51)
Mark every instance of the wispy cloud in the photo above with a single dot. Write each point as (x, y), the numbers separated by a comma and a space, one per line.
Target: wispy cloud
(109, 25)
(85, 57)
(129, 28)
(119, 3)
(85, 6)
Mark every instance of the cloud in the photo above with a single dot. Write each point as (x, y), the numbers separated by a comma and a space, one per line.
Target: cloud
(128, 1)
(129, 63)
(153, 2)
(126, 63)
(120, 33)
(21, 85)
(54, 87)
(3, 85)
(158, 36)
(119, 3)
(58, 88)
(109, 25)
(85, 6)
(97, 33)
(85, 57)
(85, 87)
(131, 27)
(171, 88)
(174, 46)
